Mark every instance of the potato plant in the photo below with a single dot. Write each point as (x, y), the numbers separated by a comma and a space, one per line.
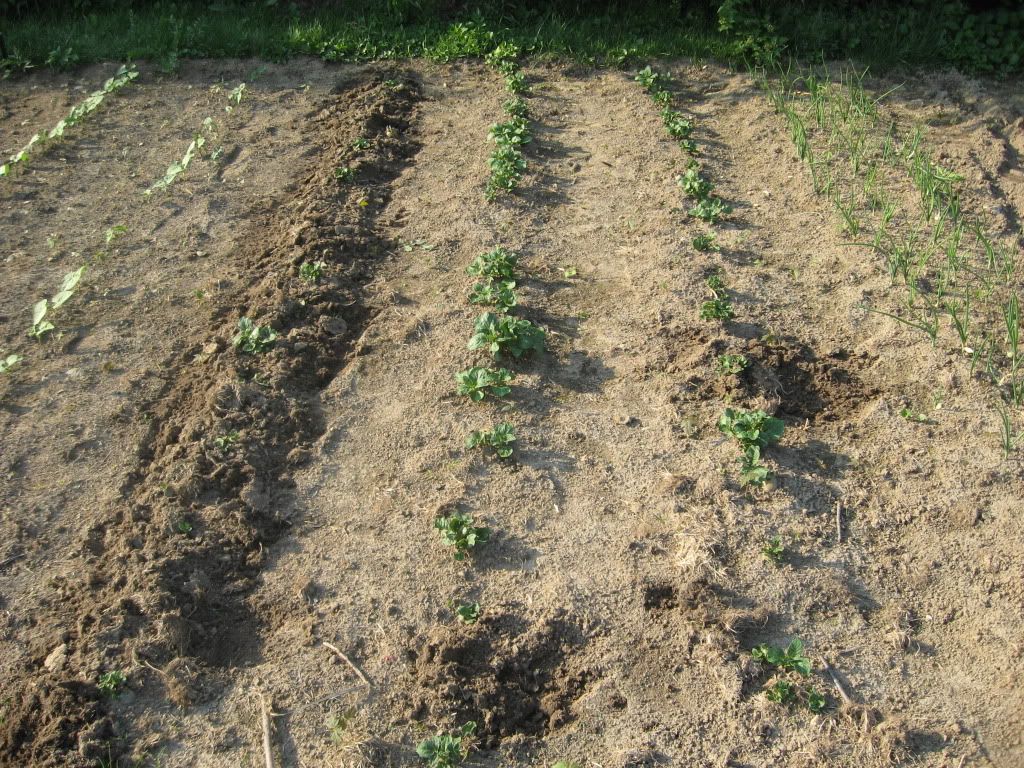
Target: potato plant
(478, 382)
(458, 531)
(499, 439)
(497, 264)
(253, 339)
(493, 293)
(504, 335)
(754, 431)
(446, 750)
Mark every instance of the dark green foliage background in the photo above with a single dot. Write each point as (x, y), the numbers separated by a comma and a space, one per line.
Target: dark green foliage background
(981, 37)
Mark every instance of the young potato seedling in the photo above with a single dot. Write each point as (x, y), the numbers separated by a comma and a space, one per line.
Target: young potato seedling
(499, 439)
(497, 264)
(478, 382)
(346, 174)
(226, 442)
(648, 78)
(68, 285)
(731, 365)
(710, 209)
(693, 183)
(516, 107)
(774, 551)
(312, 271)
(253, 339)
(468, 613)
(705, 242)
(360, 143)
(717, 309)
(506, 336)
(500, 294)
(446, 750)
(514, 132)
(755, 431)
(678, 126)
(110, 683)
(458, 531)
(507, 168)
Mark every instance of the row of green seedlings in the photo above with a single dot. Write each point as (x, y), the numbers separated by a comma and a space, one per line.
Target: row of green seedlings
(707, 207)
(506, 162)
(754, 431)
(208, 132)
(78, 113)
(947, 262)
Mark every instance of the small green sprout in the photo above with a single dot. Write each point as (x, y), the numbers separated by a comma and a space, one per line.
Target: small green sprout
(506, 335)
(183, 527)
(705, 242)
(731, 365)
(781, 692)
(503, 54)
(478, 382)
(312, 271)
(226, 442)
(774, 551)
(253, 339)
(495, 293)
(916, 416)
(710, 209)
(717, 309)
(789, 659)
(715, 282)
(40, 324)
(693, 183)
(516, 83)
(514, 132)
(360, 143)
(468, 613)
(115, 232)
(447, 750)
(500, 439)
(648, 78)
(678, 126)
(815, 700)
(755, 431)
(497, 264)
(568, 272)
(338, 724)
(346, 174)
(110, 683)
(458, 531)
(516, 107)
(6, 363)
(507, 168)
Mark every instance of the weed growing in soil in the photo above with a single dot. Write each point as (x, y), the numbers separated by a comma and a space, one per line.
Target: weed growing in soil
(497, 264)
(731, 365)
(468, 613)
(710, 209)
(500, 294)
(110, 683)
(774, 551)
(478, 382)
(506, 335)
(705, 242)
(312, 271)
(9, 362)
(447, 750)
(458, 531)
(499, 439)
(253, 339)
(755, 431)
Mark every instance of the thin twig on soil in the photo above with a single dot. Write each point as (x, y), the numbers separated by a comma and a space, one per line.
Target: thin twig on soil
(268, 751)
(839, 521)
(352, 666)
(844, 694)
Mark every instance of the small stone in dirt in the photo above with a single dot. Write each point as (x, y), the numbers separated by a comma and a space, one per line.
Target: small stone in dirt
(57, 659)
(626, 420)
(297, 457)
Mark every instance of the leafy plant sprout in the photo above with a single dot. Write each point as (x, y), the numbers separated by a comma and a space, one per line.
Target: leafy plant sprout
(731, 364)
(41, 325)
(500, 294)
(774, 551)
(478, 382)
(497, 264)
(312, 271)
(345, 174)
(790, 658)
(468, 613)
(253, 339)
(8, 362)
(705, 242)
(360, 143)
(446, 750)
(506, 335)
(710, 209)
(458, 531)
(110, 683)
(755, 431)
(717, 309)
(227, 441)
(499, 439)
